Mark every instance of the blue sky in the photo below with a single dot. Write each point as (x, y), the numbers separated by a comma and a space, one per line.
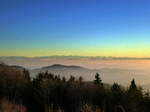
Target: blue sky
(75, 27)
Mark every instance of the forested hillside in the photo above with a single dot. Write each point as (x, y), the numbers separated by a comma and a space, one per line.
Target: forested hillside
(51, 93)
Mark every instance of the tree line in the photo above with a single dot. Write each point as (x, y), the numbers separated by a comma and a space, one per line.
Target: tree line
(51, 93)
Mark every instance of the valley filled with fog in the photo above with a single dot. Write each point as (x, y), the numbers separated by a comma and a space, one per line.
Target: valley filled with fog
(121, 71)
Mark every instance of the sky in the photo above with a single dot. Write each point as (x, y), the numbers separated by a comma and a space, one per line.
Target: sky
(118, 28)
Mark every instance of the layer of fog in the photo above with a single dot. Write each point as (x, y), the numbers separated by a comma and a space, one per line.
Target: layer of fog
(121, 71)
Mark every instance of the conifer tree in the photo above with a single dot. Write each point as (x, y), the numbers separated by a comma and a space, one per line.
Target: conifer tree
(98, 80)
(133, 85)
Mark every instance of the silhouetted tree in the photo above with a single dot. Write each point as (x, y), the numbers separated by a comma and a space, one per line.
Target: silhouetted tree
(26, 74)
(133, 85)
(80, 81)
(63, 79)
(72, 79)
(98, 80)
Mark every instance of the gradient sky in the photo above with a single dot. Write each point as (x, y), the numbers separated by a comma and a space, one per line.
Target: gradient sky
(119, 28)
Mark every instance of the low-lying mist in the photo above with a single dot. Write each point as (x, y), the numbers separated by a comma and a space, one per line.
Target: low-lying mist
(121, 71)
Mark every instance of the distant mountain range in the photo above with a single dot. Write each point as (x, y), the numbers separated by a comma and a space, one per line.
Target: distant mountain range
(72, 57)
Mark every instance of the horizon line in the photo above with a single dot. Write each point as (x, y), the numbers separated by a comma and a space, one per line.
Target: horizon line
(76, 56)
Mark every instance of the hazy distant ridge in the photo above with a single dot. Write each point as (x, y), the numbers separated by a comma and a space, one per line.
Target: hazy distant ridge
(73, 57)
